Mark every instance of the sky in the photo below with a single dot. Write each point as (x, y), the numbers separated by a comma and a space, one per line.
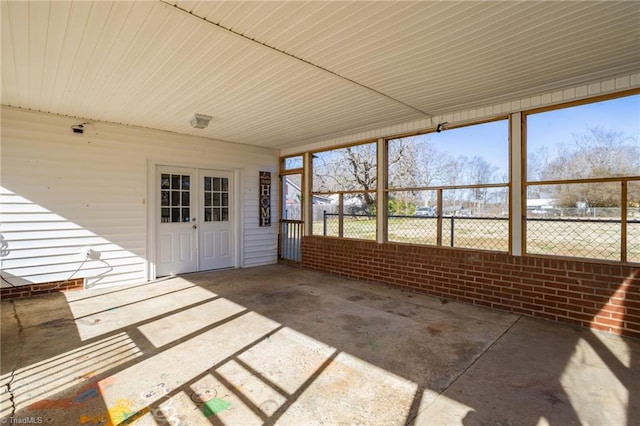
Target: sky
(491, 140)
(559, 126)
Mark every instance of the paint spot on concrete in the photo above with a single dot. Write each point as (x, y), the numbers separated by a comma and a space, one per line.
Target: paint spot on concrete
(121, 411)
(101, 419)
(155, 391)
(436, 328)
(203, 394)
(215, 406)
(85, 395)
(372, 344)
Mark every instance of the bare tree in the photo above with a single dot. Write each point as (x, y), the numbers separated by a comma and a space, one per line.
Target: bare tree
(480, 172)
(413, 162)
(597, 153)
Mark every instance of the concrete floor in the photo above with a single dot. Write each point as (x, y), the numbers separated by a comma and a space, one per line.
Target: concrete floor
(280, 345)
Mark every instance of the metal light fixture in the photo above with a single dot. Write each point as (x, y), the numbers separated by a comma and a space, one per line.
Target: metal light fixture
(200, 121)
(79, 128)
(442, 126)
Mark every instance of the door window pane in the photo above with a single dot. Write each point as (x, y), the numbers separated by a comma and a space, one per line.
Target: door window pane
(216, 199)
(175, 193)
(186, 182)
(164, 181)
(175, 181)
(175, 198)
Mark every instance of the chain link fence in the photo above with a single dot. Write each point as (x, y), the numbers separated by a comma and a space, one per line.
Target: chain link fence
(588, 238)
(359, 226)
(485, 233)
(589, 233)
(470, 232)
(633, 241)
(582, 237)
(415, 230)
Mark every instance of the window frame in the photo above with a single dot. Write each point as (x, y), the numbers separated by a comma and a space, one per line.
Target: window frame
(526, 183)
(441, 188)
(342, 193)
(517, 185)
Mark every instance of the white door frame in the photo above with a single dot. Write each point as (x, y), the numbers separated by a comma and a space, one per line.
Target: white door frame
(152, 198)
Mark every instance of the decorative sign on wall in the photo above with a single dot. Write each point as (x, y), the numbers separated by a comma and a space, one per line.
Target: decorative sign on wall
(265, 198)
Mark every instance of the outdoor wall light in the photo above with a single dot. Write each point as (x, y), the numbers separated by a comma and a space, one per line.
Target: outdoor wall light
(442, 126)
(200, 121)
(79, 128)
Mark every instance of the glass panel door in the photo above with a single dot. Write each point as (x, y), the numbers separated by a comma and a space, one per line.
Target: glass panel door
(176, 246)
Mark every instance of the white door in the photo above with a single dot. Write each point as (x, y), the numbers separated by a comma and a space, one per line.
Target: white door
(216, 240)
(176, 242)
(195, 220)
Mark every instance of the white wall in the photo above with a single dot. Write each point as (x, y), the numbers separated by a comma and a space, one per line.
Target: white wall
(62, 191)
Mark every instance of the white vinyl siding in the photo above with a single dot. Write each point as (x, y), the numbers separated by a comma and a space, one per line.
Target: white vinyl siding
(62, 192)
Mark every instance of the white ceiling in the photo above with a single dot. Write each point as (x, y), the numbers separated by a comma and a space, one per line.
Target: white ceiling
(279, 73)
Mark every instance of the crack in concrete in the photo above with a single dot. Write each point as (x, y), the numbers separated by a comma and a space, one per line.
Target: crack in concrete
(12, 376)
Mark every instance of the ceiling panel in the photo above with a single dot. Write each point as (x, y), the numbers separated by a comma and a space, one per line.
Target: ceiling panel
(279, 73)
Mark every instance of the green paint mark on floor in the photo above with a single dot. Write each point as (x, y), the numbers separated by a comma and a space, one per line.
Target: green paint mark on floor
(214, 406)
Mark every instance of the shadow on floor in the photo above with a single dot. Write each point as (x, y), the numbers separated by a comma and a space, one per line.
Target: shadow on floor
(284, 345)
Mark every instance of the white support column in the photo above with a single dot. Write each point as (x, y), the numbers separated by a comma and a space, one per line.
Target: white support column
(307, 200)
(381, 205)
(517, 188)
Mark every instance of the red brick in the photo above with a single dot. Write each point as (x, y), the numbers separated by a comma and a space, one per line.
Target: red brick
(608, 321)
(575, 290)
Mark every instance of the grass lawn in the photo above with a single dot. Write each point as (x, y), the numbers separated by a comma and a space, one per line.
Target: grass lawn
(600, 240)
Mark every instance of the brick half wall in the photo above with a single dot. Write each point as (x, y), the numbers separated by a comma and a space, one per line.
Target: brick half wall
(601, 296)
(29, 290)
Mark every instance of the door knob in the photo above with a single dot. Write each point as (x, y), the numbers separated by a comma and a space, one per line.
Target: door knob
(195, 226)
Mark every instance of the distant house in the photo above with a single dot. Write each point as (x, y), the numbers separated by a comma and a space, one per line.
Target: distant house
(456, 211)
(540, 205)
(293, 194)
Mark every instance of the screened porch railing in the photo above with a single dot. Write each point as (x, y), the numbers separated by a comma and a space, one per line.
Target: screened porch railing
(290, 238)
